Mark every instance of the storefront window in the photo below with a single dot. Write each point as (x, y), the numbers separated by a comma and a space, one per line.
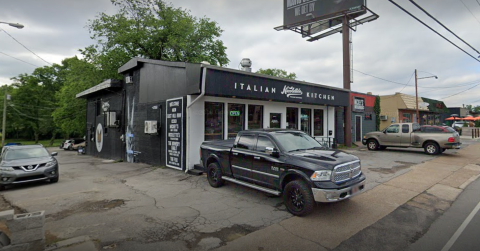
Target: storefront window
(236, 121)
(255, 116)
(213, 121)
(292, 118)
(305, 120)
(437, 119)
(407, 118)
(275, 120)
(431, 119)
(318, 122)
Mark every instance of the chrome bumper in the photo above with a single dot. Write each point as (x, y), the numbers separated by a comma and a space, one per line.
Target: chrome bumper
(332, 195)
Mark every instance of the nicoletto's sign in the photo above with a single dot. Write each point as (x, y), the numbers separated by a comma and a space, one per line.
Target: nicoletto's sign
(231, 84)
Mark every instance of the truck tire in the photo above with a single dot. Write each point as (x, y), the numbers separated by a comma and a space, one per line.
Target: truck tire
(214, 175)
(432, 148)
(298, 198)
(372, 144)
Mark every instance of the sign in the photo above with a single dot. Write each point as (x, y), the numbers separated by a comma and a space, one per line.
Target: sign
(358, 104)
(99, 137)
(174, 135)
(234, 113)
(368, 116)
(295, 11)
(231, 84)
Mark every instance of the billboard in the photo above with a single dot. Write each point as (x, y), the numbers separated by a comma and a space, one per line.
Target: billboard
(295, 11)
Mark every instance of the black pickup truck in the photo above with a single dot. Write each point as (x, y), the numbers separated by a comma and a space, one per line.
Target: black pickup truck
(288, 162)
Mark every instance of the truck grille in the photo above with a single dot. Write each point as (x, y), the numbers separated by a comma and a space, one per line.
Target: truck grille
(347, 171)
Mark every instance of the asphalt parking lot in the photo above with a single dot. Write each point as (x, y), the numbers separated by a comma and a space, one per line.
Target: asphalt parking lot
(139, 207)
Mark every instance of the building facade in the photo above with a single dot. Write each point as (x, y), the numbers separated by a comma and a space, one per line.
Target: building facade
(165, 110)
(363, 116)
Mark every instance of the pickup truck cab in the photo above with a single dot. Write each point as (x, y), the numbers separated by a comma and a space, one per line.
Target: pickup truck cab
(433, 139)
(284, 162)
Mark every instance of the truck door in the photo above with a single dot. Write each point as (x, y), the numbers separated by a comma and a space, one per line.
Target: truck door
(405, 137)
(265, 167)
(242, 156)
(391, 137)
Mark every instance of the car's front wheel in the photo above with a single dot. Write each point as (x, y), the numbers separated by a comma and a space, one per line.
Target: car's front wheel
(298, 198)
(372, 144)
(214, 175)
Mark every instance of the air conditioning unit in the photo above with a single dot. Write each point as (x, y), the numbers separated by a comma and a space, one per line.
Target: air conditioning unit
(129, 80)
(383, 117)
(112, 119)
(151, 127)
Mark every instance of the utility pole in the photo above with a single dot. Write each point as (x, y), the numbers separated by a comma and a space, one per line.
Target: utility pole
(4, 121)
(346, 80)
(416, 97)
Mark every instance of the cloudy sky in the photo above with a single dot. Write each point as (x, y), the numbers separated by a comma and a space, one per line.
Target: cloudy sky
(385, 52)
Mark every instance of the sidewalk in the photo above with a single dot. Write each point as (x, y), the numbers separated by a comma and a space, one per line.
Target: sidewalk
(444, 177)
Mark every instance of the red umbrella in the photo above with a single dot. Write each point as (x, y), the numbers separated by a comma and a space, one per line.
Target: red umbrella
(468, 118)
(451, 118)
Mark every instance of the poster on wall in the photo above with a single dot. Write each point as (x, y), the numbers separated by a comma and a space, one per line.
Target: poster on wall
(99, 137)
(174, 135)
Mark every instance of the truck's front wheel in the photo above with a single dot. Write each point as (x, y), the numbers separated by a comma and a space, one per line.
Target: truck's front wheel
(298, 198)
(214, 175)
(372, 145)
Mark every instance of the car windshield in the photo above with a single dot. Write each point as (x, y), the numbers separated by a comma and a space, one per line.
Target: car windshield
(25, 153)
(295, 141)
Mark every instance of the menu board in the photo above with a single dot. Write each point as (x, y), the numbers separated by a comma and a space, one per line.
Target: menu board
(174, 135)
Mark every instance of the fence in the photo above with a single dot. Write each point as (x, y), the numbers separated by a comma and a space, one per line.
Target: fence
(327, 142)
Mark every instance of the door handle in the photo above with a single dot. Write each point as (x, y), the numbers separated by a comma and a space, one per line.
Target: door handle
(256, 157)
(235, 154)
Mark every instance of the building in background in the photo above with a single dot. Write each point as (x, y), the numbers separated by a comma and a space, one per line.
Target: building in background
(399, 108)
(437, 112)
(363, 116)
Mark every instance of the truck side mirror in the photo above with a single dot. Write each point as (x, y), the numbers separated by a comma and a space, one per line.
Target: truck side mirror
(272, 151)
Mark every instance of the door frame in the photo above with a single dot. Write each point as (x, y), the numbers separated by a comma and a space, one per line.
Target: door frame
(361, 128)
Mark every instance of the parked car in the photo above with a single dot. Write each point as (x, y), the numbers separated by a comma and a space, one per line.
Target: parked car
(73, 144)
(459, 124)
(27, 163)
(433, 139)
(284, 162)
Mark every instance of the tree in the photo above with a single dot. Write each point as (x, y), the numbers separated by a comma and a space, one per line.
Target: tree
(277, 73)
(78, 75)
(153, 29)
(377, 110)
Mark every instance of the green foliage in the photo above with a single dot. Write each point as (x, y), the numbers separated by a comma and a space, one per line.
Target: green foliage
(78, 75)
(278, 73)
(377, 110)
(152, 29)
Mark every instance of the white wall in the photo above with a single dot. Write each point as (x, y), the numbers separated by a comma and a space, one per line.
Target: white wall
(196, 120)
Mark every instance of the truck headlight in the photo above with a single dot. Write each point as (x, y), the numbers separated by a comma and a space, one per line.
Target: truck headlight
(6, 168)
(323, 175)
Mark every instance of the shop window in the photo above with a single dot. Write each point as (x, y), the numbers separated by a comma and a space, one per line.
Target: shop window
(305, 118)
(318, 122)
(431, 119)
(407, 118)
(255, 116)
(275, 120)
(264, 142)
(236, 119)
(213, 121)
(292, 118)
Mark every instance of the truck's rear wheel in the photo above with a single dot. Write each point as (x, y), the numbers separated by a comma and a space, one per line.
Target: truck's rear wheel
(432, 148)
(372, 145)
(214, 175)
(298, 198)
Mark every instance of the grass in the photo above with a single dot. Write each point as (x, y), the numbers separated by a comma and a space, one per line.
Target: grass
(45, 142)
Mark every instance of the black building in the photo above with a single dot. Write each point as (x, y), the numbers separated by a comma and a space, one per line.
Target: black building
(163, 111)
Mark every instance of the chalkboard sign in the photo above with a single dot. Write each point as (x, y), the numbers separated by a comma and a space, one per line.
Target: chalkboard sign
(174, 135)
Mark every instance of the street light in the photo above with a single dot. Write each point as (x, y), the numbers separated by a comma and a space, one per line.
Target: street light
(16, 25)
(416, 92)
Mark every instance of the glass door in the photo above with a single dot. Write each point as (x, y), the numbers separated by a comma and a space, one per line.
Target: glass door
(305, 120)
(236, 119)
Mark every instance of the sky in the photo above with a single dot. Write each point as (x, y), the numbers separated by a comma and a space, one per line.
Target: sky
(386, 51)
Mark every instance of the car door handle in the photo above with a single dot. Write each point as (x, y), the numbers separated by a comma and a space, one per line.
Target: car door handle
(256, 157)
(235, 154)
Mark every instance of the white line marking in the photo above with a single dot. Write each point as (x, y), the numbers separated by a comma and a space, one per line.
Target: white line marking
(461, 228)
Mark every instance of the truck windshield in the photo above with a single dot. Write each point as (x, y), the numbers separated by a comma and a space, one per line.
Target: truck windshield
(295, 141)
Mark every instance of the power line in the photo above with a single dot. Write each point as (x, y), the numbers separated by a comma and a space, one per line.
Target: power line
(408, 81)
(478, 2)
(470, 11)
(461, 92)
(428, 14)
(432, 29)
(18, 59)
(26, 47)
